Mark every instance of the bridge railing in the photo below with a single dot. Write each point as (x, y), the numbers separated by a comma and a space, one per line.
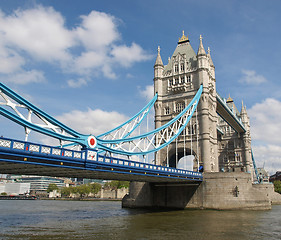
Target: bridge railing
(91, 156)
(29, 147)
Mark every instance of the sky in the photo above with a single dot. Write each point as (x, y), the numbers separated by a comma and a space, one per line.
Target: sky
(90, 63)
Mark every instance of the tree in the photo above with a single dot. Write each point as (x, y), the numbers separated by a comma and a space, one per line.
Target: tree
(117, 184)
(52, 187)
(277, 186)
(95, 187)
(65, 191)
(83, 190)
(3, 194)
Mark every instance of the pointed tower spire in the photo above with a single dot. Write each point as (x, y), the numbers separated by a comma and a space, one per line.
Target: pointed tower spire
(158, 61)
(201, 50)
(243, 109)
(210, 59)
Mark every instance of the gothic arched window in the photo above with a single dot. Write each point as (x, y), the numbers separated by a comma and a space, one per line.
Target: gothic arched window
(167, 110)
(180, 106)
(182, 67)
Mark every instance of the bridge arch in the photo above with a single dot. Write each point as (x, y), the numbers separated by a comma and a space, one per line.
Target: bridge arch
(175, 156)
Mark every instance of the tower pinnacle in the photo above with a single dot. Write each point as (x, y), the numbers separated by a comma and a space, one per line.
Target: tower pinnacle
(158, 61)
(210, 59)
(183, 39)
(201, 50)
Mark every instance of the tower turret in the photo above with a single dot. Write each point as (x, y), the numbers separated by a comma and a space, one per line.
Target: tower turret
(202, 60)
(246, 138)
(158, 73)
(211, 64)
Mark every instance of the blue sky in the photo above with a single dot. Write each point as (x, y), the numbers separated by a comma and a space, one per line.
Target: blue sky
(95, 58)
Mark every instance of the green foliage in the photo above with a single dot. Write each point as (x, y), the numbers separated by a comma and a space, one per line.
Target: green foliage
(3, 194)
(83, 190)
(65, 191)
(117, 184)
(277, 186)
(95, 187)
(52, 187)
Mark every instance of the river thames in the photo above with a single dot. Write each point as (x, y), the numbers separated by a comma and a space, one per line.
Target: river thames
(49, 219)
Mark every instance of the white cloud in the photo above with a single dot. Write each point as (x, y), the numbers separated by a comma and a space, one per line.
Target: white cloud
(127, 55)
(92, 121)
(76, 83)
(251, 77)
(147, 93)
(97, 30)
(265, 129)
(90, 48)
(87, 61)
(25, 77)
(10, 60)
(265, 121)
(268, 156)
(39, 31)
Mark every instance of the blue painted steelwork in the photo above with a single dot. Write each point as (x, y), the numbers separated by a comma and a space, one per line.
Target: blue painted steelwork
(144, 111)
(89, 140)
(259, 179)
(74, 136)
(22, 152)
(191, 106)
(234, 117)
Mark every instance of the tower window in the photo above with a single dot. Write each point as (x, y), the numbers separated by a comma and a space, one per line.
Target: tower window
(176, 81)
(176, 68)
(188, 79)
(180, 106)
(167, 110)
(170, 82)
(182, 67)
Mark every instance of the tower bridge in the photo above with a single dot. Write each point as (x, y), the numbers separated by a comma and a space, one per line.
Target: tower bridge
(191, 119)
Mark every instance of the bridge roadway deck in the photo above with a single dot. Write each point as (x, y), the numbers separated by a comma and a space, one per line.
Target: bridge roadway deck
(25, 158)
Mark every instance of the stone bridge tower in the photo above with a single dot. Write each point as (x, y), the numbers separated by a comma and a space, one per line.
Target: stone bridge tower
(176, 84)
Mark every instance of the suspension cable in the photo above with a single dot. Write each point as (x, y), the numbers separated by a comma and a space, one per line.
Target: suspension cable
(197, 133)
(191, 127)
(184, 149)
(176, 152)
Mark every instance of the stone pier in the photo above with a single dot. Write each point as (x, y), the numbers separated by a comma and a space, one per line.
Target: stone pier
(221, 191)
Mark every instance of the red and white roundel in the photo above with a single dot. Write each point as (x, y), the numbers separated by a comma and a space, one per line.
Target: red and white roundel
(92, 141)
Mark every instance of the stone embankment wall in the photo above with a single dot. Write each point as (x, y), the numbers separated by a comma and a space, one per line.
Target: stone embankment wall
(103, 194)
(217, 191)
(112, 194)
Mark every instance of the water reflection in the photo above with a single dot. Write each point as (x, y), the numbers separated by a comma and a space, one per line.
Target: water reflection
(107, 220)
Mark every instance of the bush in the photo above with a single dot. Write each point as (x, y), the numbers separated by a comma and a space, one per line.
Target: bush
(3, 194)
(52, 187)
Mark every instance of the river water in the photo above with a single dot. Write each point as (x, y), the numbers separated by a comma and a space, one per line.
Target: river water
(46, 219)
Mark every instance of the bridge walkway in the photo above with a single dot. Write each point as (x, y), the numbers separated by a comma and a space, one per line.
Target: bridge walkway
(26, 158)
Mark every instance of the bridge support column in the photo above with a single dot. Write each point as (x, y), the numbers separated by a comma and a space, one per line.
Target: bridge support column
(159, 195)
(219, 190)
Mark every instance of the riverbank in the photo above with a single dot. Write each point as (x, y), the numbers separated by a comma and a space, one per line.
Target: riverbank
(17, 197)
(83, 199)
